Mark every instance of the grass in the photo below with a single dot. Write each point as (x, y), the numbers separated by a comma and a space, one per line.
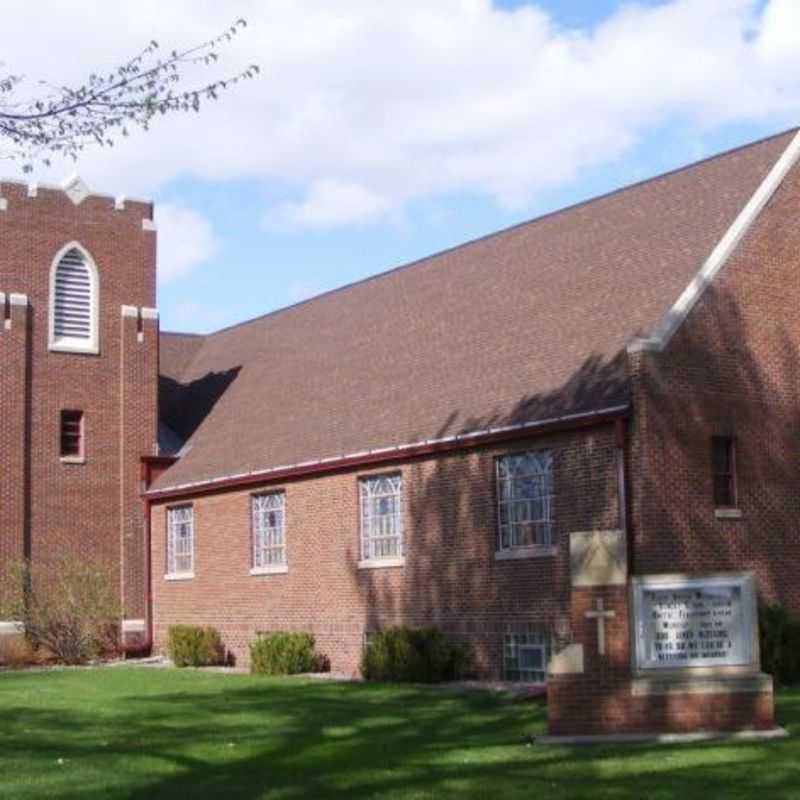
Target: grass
(128, 733)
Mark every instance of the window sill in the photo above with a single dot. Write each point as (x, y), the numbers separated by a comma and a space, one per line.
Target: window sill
(526, 552)
(74, 350)
(728, 513)
(276, 569)
(179, 576)
(72, 460)
(382, 563)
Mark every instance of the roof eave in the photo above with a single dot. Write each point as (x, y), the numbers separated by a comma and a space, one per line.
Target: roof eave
(387, 455)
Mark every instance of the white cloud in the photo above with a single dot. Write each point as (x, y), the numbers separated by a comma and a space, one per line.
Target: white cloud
(331, 202)
(186, 239)
(364, 106)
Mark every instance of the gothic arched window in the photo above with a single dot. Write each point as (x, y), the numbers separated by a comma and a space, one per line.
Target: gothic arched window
(74, 301)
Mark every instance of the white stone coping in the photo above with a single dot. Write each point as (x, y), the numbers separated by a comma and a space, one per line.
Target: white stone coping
(149, 313)
(536, 551)
(129, 311)
(179, 576)
(16, 299)
(710, 683)
(134, 626)
(568, 661)
(273, 569)
(9, 628)
(382, 563)
(667, 738)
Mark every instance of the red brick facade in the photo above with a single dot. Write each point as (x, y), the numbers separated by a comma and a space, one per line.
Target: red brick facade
(91, 510)
(731, 369)
(450, 579)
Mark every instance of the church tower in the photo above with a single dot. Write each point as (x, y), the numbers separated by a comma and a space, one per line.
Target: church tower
(78, 381)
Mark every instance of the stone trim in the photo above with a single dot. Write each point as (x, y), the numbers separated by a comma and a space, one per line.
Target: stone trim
(690, 684)
(667, 738)
(727, 513)
(382, 563)
(275, 569)
(518, 553)
(720, 254)
(9, 628)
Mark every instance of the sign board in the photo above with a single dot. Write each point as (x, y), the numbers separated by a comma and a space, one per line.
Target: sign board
(683, 622)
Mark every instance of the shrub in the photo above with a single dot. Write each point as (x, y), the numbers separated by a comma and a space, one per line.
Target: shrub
(69, 609)
(412, 655)
(284, 653)
(779, 632)
(195, 646)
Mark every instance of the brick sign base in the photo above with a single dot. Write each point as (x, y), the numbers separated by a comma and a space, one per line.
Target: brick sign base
(594, 689)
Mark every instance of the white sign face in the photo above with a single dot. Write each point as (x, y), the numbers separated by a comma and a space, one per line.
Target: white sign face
(703, 622)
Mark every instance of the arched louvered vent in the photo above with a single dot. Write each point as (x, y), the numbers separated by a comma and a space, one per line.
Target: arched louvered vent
(73, 303)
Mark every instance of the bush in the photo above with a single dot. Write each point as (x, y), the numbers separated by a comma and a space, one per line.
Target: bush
(195, 646)
(69, 609)
(412, 655)
(779, 632)
(284, 653)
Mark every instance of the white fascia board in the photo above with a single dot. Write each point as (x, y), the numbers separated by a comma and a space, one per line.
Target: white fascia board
(720, 254)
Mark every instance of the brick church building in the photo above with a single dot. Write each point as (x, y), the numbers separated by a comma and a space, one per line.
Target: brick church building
(416, 447)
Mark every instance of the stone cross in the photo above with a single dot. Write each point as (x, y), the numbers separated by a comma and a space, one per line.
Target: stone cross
(601, 615)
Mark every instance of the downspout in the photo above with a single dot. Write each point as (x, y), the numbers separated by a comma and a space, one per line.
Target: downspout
(622, 493)
(148, 580)
(149, 466)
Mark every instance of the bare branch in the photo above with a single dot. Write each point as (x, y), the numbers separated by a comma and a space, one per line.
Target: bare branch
(67, 119)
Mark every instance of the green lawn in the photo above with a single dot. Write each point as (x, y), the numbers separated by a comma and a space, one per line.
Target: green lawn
(131, 733)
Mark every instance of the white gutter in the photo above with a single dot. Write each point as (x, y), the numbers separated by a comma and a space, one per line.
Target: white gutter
(396, 449)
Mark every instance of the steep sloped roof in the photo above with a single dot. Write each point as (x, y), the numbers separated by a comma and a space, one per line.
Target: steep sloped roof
(525, 324)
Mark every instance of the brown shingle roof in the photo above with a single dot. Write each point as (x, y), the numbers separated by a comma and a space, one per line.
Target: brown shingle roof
(525, 324)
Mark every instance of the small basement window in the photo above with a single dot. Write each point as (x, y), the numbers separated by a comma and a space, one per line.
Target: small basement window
(525, 656)
(72, 436)
(723, 461)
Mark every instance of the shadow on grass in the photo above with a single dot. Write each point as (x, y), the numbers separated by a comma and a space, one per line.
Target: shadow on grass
(235, 738)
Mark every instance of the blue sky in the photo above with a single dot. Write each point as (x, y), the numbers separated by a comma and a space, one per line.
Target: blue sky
(373, 139)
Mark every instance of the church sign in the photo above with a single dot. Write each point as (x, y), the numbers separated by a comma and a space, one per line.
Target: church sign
(684, 622)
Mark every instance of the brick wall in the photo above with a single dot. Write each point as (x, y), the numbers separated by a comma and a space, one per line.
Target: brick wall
(14, 391)
(50, 509)
(731, 369)
(450, 578)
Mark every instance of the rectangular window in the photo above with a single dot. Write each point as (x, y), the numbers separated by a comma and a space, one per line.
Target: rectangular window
(525, 656)
(381, 517)
(269, 530)
(525, 500)
(180, 540)
(723, 463)
(71, 435)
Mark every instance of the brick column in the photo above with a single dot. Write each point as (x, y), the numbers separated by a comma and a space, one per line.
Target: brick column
(589, 683)
(138, 438)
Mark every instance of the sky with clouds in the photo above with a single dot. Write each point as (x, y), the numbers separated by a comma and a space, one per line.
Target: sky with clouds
(379, 132)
